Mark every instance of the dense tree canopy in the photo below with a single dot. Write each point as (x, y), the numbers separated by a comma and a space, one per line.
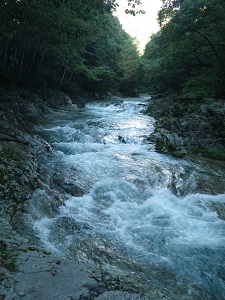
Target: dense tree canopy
(187, 55)
(72, 44)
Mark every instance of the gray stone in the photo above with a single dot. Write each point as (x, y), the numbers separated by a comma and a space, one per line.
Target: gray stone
(189, 128)
(64, 281)
(120, 295)
(71, 107)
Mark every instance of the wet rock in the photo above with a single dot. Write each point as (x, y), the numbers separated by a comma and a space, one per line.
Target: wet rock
(121, 139)
(67, 185)
(167, 141)
(80, 101)
(123, 296)
(45, 276)
(18, 175)
(184, 126)
(38, 283)
(71, 107)
(56, 99)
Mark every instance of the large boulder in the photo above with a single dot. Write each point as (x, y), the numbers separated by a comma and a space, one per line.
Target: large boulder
(186, 126)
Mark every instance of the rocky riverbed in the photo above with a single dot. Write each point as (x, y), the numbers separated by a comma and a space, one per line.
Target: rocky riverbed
(189, 126)
(28, 271)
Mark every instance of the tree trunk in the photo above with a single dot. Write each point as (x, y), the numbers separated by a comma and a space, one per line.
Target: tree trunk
(64, 73)
(4, 58)
(42, 57)
(12, 63)
(22, 58)
(26, 61)
(34, 55)
(71, 76)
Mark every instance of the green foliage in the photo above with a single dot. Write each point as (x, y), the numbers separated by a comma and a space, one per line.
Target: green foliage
(201, 85)
(215, 153)
(63, 43)
(187, 54)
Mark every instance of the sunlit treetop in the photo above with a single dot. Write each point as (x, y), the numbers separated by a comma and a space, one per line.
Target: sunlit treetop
(168, 9)
(132, 6)
(111, 5)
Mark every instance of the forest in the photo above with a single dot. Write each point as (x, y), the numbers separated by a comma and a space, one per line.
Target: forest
(80, 46)
(187, 55)
(75, 45)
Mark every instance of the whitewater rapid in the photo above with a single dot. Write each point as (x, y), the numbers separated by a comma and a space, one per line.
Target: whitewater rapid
(133, 204)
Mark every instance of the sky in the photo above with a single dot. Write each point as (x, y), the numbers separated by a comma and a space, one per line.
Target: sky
(141, 26)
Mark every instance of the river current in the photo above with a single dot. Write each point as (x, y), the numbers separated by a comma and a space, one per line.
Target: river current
(128, 207)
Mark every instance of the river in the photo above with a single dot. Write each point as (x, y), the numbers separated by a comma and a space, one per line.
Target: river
(127, 207)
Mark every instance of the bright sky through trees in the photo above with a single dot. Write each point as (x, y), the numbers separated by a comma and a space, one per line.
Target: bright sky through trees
(141, 26)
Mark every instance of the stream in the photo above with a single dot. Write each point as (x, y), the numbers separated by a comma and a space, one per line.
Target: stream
(125, 206)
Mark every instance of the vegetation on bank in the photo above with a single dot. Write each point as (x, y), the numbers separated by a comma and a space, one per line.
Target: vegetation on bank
(72, 45)
(187, 55)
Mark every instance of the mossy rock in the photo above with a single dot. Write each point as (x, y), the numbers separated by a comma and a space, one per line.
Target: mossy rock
(221, 133)
(2, 177)
(10, 264)
(215, 153)
(6, 260)
(18, 171)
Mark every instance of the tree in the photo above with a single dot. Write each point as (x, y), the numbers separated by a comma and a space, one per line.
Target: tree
(71, 44)
(190, 48)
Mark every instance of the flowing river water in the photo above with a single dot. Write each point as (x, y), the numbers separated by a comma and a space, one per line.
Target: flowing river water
(127, 207)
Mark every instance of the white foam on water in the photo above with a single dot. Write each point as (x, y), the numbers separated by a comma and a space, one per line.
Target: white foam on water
(129, 203)
(73, 148)
(163, 217)
(161, 228)
(43, 231)
(178, 220)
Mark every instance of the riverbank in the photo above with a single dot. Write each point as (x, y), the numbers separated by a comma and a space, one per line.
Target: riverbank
(26, 270)
(189, 126)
